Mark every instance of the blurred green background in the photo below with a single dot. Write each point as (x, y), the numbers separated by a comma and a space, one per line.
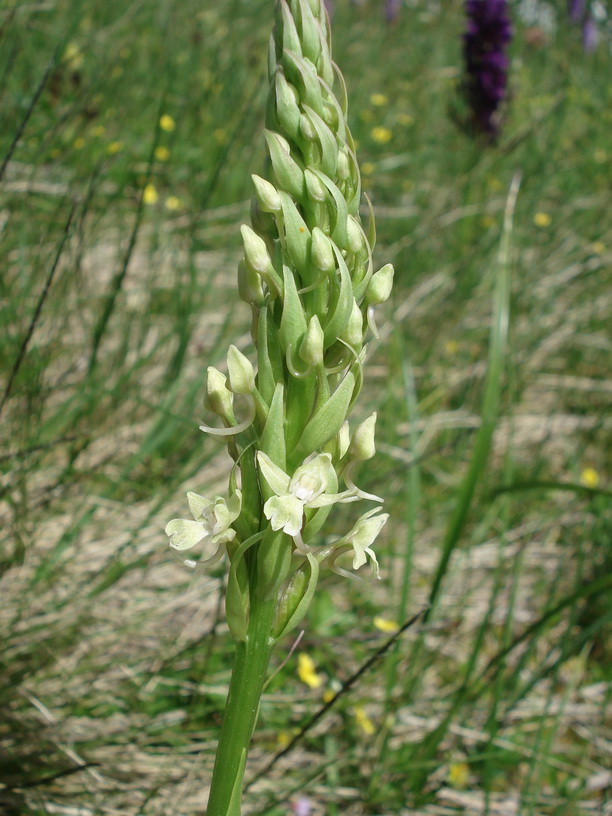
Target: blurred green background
(128, 132)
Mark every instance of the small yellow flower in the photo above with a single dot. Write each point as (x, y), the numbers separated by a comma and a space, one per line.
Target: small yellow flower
(451, 346)
(220, 135)
(598, 247)
(367, 168)
(73, 56)
(378, 99)
(405, 119)
(459, 775)
(589, 477)
(328, 695)
(382, 135)
(363, 721)
(307, 672)
(167, 123)
(173, 203)
(366, 115)
(150, 194)
(283, 739)
(98, 130)
(542, 219)
(384, 625)
(162, 153)
(79, 143)
(114, 147)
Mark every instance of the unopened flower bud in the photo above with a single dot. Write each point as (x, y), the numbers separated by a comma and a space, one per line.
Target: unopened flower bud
(249, 285)
(344, 439)
(287, 110)
(321, 251)
(240, 372)
(255, 250)
(362, 445)
(379, 288)
(344, 165)
(312, 346)
(314, 187)
(289, 175)
(218, 398)
(267, 194)
(353, 332)
(355, 235)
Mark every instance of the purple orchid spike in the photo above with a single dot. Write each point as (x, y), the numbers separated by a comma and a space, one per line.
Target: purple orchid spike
(392, 10)
(590, 34)
(484, 47)
(576, 9)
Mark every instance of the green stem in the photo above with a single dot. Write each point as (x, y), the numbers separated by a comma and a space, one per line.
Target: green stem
(241, 710)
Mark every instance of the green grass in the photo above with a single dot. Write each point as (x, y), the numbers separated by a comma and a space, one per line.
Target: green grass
(113, 306)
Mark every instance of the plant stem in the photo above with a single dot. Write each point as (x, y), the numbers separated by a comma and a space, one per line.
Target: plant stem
(241, 710)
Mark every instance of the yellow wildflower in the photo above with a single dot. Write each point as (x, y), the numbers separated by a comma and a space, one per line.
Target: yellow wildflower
(405, 119)
(458, 775)
(219, 135)
(150, 194)
(382, 135)
(73, 56)
(378, 99)
(328, 695)
(173, 203)
(598, 247)
(542, 219)
(451, 346)
(162, 153)
(307, 672)
(384, 625)
(79, 143)
(167, 123)
(114, 147)
(367, 168)
(589, 477)
(363, 721)
(98, 130)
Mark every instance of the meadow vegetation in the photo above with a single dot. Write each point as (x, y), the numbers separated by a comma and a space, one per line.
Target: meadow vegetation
(129, 133)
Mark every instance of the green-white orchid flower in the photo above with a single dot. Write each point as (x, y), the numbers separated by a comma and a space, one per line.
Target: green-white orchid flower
(306, 488)
(211, 526)
(361, 537)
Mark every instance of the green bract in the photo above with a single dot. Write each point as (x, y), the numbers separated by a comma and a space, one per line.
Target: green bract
(308, 278)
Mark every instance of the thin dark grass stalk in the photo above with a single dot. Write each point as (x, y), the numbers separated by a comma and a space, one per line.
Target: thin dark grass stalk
(589, 591)
(119, 277)
(51, 66)
(37, 311)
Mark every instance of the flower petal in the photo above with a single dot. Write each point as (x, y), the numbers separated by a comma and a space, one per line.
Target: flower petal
(198, 505)
(274, 476)
(285, 513)
(184, 534)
